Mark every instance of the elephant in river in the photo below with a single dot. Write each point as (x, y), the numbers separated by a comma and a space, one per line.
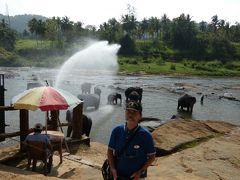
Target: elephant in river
(33, 85)
(113, 98)
(134, 94)
(86, 123)
(90, 100)
(97, 91)
(186, 101)
(86, 88)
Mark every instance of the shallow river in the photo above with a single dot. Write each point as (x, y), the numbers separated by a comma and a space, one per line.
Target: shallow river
(160, 95)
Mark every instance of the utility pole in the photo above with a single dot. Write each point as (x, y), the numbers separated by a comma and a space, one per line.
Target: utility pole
(7, 14)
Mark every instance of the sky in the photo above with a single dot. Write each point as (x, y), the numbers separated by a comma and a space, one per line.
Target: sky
(96, 12)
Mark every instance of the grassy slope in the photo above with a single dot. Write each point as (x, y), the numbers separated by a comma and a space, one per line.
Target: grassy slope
(37, 57)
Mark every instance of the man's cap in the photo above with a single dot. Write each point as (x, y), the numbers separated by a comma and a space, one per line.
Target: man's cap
(134, 106)
(38, 126)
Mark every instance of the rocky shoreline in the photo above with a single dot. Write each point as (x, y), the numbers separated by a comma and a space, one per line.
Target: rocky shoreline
(186, 149)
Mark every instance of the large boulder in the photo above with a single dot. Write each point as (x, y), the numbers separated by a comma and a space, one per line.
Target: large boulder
(173, 135)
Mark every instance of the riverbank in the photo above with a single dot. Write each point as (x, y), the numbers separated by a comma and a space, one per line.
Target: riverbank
(187, 149)
(184, 68)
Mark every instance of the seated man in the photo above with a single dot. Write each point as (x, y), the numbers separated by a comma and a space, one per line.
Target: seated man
(38, 137)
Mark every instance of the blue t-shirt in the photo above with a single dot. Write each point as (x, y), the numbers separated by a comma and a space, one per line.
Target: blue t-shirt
(38, 137)
(135, 155)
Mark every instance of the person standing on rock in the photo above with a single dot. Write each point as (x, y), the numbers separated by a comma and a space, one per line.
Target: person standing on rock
(131, 148)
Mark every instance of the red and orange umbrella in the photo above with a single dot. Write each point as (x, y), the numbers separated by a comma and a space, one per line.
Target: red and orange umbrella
(45, 98)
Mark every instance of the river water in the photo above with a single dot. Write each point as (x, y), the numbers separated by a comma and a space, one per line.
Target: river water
(160, 95)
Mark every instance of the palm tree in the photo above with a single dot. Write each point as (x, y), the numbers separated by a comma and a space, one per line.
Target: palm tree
(32, 25)
(154, 27)
(214, 23)
(143, 28)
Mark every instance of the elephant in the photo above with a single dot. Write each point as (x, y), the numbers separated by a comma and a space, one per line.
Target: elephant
(33, 85)
(113, 98)
(86, 123)
(134, 96)
(97, 91)
(186, 101)
(86, 88)
(90, 100)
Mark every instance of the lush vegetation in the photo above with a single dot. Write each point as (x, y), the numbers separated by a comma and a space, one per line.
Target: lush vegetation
(189, 67)
(177, 46)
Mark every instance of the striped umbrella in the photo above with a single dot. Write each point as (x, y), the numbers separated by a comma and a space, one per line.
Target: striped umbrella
(45, 98)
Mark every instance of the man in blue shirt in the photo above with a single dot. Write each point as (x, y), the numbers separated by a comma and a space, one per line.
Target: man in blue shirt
(133, 162)
(37, 136)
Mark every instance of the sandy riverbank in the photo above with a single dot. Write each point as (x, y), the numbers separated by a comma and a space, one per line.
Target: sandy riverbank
(188, 149)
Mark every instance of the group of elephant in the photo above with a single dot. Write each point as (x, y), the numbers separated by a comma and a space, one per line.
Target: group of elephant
(93, 100)
(132, 93)
(135, 93)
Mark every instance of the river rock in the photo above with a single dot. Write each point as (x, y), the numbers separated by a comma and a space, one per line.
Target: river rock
(174, 134)
(214, 159)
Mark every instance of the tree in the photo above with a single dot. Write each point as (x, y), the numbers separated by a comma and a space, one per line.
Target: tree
(67, 28)
(203, 26)
(214, 23)
(234, 34)
(111, 30)
(129, 21)
(78, 28)
(127, 46)
(154, 27)
(32, 25)
(183, 32)
(143, 29)
(53, 30)
(7, 37)
(222, 48)
(40, 30)
(165, 29)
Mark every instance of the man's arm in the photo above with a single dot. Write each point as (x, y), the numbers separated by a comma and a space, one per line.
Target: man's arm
(112, 163)
(149, 161)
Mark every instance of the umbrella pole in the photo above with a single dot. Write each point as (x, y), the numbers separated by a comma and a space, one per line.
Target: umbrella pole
(46, 122)
(65, 142)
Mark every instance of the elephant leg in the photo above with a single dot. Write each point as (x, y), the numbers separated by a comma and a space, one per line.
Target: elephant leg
(29, 163)
(88, 129)
(69, 130)
(191, 108)
(34, 165)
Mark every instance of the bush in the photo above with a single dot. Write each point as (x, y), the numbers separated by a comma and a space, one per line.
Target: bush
(214, 64)
(173, 67)
(193, 64)
(232, 65)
